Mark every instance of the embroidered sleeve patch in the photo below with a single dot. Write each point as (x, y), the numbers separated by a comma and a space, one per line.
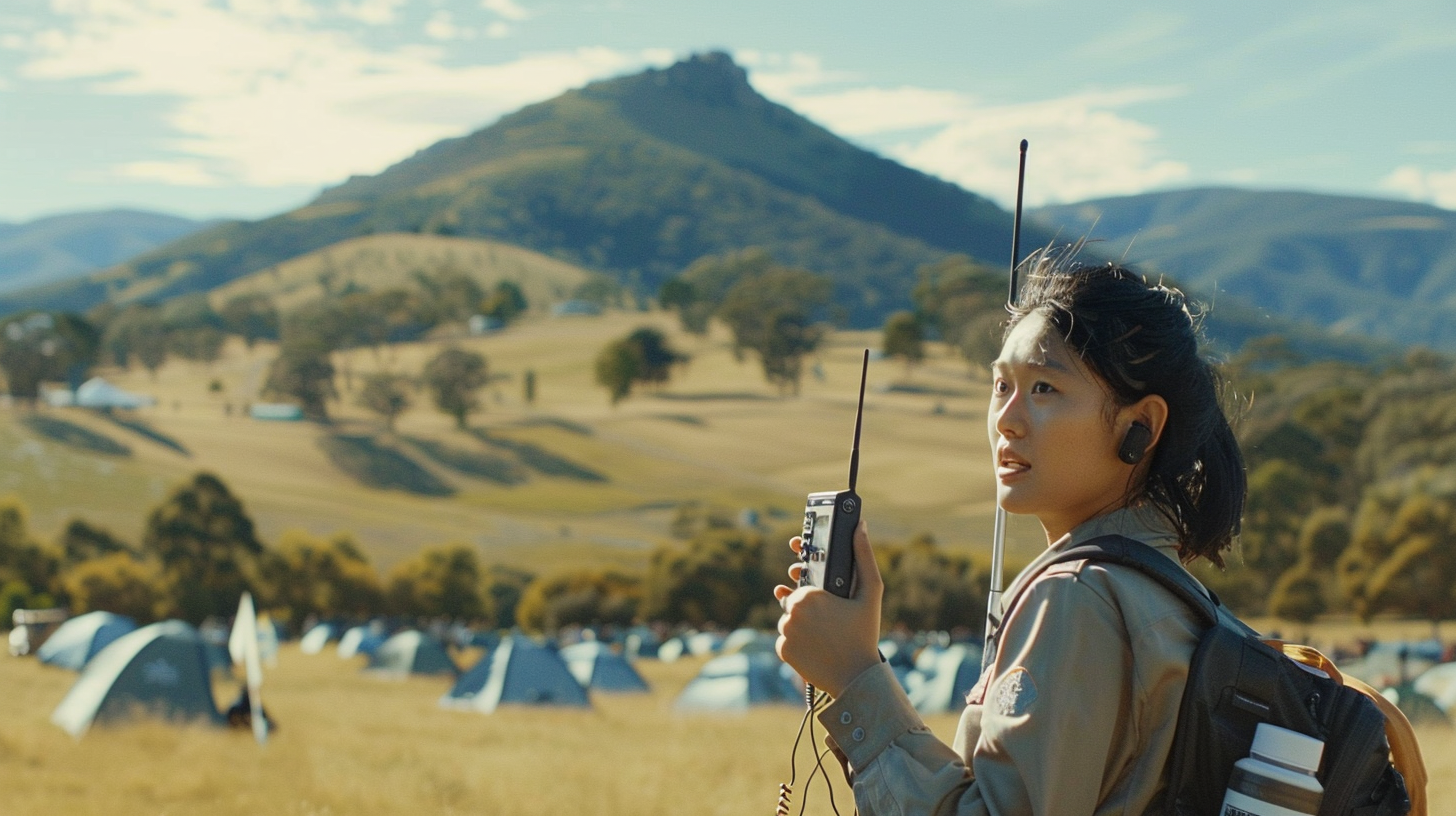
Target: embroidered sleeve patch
(1014, 693)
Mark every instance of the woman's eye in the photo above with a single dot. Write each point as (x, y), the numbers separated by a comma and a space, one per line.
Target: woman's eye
(1042, 388)
(1000, 387)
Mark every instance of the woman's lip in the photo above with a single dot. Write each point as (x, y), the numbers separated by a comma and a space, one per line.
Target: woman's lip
(1011, 469)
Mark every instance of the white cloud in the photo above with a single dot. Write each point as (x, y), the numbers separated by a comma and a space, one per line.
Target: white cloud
(497, 30)
(441, 26)
(272, 97)
(372, 12)
(181, 172)
(506, 9)
(1434, 186)
(1083, 146)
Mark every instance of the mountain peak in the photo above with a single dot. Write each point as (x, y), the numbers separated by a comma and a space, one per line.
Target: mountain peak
(711, 78)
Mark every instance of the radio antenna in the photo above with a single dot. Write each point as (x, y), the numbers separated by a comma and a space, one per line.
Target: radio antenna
(998, 531)
(858, 421)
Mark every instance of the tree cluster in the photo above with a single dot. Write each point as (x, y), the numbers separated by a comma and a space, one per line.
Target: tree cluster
(775, 312)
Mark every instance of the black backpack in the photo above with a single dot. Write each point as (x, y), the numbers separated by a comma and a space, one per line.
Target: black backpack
(1235, 682)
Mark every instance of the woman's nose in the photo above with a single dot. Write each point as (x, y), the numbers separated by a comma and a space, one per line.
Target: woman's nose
(1007, 419)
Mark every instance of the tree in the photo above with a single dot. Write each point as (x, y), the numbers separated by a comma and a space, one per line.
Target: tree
(302, 371)
(504, 587)
(42, 346)
(385, 394)
(771, 314)
(309, 577)
(252, 317)
(118, 583)
(1298, 595)
(528, 386)
(641, 357)
(27, 568)
(81, 542)
(581, 597)
(453, 377)
(202, 343)
(904, 338)
(440, 582)
(964, 303)
(617, 367)
(447, 295)
(717, 577)
(926, 589)
(207, 547)
(505, 302)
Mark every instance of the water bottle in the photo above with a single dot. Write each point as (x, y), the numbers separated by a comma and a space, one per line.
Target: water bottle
(1277, 777)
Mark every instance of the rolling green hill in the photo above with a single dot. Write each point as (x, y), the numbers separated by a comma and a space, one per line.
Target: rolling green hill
(1358, 266)
(637, 177)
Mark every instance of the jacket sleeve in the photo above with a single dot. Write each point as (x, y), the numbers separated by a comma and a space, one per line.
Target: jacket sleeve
(1055, 724)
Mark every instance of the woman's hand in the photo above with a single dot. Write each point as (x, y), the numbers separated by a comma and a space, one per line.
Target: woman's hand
(830, 640)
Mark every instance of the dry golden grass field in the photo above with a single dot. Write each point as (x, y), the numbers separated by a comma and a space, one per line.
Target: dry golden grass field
(350, 743)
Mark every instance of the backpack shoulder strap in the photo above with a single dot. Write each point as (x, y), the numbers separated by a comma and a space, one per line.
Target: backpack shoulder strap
(1129, 552)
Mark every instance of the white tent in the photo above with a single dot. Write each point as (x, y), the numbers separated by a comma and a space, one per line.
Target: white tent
(77, 640)
(98, 393)
(315, 639)
(161, 669)
(361, 640)
(412, 652)
(738, 681)
(596, 666)
(519, 672)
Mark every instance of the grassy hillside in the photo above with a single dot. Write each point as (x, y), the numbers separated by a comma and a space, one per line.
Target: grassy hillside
(569, 480)
(378, 262)
(1359, 266)
(636, 177)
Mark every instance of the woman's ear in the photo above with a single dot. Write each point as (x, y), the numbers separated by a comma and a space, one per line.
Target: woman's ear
(1142, 424)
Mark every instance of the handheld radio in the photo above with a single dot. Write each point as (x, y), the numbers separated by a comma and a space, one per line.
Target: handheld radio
(830, 518)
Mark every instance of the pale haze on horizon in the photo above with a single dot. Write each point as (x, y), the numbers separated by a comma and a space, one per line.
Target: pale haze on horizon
(247, 108)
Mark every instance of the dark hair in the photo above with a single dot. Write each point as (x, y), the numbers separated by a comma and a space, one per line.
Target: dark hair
(1141, 339)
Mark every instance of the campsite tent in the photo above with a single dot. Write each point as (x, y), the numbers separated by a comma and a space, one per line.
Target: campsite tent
(1439, 683)
(519, 672)
(942, 677)
(737, 681)
(77, 640)
(596, 666)
(159, 669)
(361, 640)
(315, 639)
(748, 641)
(412, 652)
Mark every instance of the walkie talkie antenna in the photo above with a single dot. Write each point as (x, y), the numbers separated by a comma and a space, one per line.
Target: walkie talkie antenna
(858, 421)
(998, 531)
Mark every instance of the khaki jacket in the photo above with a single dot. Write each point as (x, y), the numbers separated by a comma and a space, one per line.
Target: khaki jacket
(1075, 716)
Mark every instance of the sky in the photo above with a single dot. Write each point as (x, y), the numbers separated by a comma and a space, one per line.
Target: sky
(248, 108)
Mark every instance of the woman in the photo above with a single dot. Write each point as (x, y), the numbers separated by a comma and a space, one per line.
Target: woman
(1103, 419)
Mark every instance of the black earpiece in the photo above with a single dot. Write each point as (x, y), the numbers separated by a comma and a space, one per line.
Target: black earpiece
(1135, 444)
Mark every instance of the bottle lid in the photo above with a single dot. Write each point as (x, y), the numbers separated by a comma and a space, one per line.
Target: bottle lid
(1288, 748)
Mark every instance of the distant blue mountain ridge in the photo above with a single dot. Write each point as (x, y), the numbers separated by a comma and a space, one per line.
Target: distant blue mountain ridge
(59, 247)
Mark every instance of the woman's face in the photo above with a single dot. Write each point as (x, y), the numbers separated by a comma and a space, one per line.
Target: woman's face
(1052, 446)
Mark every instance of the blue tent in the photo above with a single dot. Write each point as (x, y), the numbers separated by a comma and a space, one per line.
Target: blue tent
(77, 640)
(519, 672)
(942, 677)
(738, 681)
(412, 652)
(361, 640)
(159, 670)
(596, 666)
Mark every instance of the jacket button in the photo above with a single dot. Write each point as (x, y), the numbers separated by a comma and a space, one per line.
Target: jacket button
(845, 718)
(858, 735)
